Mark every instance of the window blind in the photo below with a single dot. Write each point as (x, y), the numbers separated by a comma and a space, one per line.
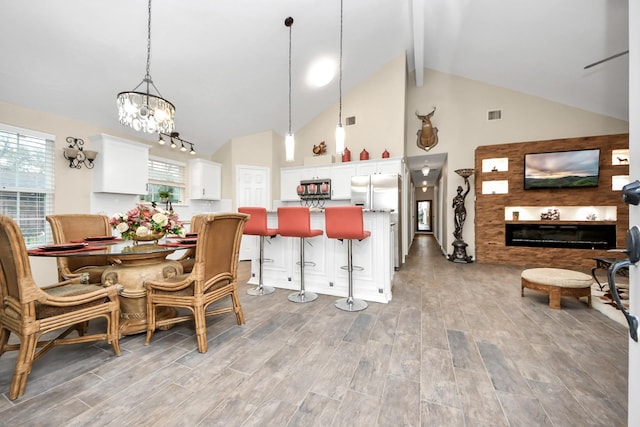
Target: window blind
(27, 181)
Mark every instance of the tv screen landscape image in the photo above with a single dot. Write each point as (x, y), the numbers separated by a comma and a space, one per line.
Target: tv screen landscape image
(562, 169)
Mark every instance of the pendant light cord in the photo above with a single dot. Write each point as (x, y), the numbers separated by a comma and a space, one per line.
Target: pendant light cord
(340, 79)
(290, 25)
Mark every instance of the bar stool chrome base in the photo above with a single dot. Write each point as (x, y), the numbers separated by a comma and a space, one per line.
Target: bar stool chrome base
(351, 304)
(261, 290)
(303, 297)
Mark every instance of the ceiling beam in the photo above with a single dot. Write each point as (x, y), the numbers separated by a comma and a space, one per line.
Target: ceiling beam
(417, 16)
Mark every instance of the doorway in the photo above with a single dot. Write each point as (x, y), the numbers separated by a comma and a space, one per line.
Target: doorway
(423, 217)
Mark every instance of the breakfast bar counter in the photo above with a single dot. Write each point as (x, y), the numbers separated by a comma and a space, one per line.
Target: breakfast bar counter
(324, 258)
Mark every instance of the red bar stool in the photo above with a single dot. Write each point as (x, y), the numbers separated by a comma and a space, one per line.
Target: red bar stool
(346, 223)
(257, 226)
(295, 221)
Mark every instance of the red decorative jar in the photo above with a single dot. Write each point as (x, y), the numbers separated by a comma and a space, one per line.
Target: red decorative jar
(385, 154)
(364, 155)
(346, 155)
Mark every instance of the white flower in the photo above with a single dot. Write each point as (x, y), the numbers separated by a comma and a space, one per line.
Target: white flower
(122, 227)
(159, 218)
(142, 231)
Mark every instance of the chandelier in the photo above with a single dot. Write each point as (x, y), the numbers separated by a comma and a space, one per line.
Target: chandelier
(145, 111)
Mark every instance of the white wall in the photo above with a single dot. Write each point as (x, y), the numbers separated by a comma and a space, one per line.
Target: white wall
(377, 104)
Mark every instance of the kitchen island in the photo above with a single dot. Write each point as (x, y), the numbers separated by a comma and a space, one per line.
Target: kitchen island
(325, 256)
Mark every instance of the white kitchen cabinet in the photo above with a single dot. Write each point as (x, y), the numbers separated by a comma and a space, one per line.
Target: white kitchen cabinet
(341, 181)
(389, 166)
(383, 166)
(289, 180)
(366, 167)
(204, 180)
(121, 165)
(320, 172)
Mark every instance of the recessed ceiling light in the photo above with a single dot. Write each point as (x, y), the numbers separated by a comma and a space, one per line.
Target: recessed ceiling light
(322, 72)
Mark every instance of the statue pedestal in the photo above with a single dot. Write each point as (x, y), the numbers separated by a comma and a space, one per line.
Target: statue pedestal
(460, 252)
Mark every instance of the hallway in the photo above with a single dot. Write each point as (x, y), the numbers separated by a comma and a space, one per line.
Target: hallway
(457, 346)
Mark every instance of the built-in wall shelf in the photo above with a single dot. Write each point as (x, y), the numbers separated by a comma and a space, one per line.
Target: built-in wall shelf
(495, 187)
(495, 165)
(574, 212)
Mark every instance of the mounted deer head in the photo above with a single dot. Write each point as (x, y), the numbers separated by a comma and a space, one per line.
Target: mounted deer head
(428, 135)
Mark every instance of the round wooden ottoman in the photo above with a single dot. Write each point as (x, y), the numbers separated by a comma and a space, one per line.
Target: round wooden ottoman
(557, 283)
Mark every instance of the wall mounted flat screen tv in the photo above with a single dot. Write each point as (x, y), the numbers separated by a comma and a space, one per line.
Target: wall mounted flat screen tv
(562, 169)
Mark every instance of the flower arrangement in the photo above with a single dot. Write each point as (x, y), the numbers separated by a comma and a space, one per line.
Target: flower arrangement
(144, 220)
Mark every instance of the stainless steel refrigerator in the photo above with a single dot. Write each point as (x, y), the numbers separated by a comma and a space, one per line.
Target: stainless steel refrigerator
(382, 192)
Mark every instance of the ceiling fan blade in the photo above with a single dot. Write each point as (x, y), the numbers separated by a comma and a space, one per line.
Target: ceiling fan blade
(606, 59)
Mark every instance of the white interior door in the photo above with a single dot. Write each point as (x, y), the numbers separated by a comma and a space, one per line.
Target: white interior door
(252, 189)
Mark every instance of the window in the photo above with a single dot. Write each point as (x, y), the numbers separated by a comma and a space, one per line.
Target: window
(26, 180)
(166, 180)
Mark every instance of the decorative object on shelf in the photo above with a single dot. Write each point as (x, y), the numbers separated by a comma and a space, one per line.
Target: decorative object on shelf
(592, 217)
(173, 137)
(515, 215)
(623, 160)
(385, 154)
(144, 111)
(346, 155)
(460, 214)
(364, 154)
(320, 149)
(289, 140)
(146, 223)
(494, 169)
(314, 192)
(550, 214)
(340, 135)
(76, 154)
(428, 135)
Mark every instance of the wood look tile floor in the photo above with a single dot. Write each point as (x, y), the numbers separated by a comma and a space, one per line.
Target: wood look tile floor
(457, 346)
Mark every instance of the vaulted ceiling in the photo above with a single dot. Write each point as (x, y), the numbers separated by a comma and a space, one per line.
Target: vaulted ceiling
(224, 63)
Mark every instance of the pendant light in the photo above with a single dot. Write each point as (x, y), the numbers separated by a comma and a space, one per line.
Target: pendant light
(144, 111)
(289, 141)
(340, 129)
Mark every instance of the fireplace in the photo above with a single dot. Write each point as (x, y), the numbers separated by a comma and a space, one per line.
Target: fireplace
(573, 236)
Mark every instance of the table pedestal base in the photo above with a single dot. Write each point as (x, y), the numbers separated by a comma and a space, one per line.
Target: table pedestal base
(133, 300)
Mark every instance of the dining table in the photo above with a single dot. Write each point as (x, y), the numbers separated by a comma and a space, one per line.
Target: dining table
(131, 264)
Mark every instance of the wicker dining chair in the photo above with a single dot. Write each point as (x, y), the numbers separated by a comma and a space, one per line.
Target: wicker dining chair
(30, 311)
(214, 277)
(188, 259)
(76, 227)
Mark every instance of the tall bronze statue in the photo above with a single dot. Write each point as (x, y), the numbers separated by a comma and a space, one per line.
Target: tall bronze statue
(460, 215)
(459, 210)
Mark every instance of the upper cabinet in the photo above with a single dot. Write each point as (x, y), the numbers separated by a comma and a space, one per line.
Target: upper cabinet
(341, 181)
(290, 179)
(121, 166)
(372, 167)
(204, 180)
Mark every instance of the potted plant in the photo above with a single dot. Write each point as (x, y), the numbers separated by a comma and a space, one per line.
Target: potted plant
(164, 195)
